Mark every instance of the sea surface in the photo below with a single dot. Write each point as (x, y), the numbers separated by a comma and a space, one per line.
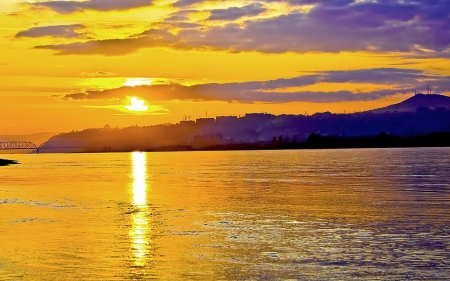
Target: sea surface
(362, 214)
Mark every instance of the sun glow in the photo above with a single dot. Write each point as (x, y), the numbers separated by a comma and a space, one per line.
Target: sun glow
(137, 105)
(133, 82)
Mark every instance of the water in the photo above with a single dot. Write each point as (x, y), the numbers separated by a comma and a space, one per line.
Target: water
(368, 214)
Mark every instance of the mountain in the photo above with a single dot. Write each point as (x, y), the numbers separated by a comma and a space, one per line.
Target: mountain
(431, 101)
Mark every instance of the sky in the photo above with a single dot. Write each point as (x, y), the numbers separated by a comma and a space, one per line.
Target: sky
(72, 65)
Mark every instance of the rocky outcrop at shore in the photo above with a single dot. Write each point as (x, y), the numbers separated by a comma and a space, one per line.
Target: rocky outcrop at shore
(6, 162)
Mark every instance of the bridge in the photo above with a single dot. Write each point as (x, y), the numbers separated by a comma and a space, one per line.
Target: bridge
(17, 145)
(49, 145)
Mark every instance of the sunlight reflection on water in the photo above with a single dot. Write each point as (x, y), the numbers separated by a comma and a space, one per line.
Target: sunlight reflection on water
(369, 214)
(140, 225)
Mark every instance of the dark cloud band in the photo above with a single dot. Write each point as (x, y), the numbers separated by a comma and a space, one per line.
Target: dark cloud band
(403, 81)
(66, 31)
(66, 7)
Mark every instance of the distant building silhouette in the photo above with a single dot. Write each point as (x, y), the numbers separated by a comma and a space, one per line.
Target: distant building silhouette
(187, 123)
(204, 121)
(226, 119)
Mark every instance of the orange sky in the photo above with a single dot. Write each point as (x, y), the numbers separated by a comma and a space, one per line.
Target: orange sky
(73, 65)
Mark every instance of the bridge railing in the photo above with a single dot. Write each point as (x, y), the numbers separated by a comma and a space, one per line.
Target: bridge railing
(17, 145)
(48, 146)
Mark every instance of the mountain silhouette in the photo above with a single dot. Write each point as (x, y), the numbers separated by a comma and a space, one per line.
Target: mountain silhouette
(431, 101)
(416, 116)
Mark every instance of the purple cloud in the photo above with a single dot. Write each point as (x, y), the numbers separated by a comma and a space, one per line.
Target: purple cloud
(66, 7)
(330, 26)
(66, 31)
(116, 47)
(236, 13)
(185, 3)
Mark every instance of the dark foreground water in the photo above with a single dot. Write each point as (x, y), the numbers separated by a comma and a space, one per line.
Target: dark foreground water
(369, 214)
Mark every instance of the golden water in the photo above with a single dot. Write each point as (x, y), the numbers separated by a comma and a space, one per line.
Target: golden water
(369, 214)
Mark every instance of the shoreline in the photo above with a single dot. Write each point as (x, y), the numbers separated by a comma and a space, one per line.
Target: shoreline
(6, 162)
(314, 141)
(250, 147)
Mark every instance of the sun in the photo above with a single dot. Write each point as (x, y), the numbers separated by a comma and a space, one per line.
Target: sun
(137, 105)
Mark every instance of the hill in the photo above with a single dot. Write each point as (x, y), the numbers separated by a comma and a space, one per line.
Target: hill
(431, 101)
